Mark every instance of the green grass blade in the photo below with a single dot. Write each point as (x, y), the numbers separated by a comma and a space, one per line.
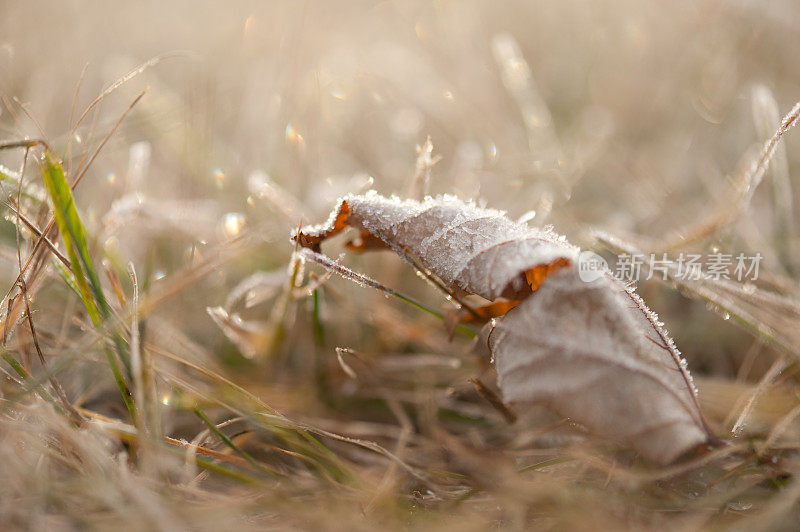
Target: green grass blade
(74, 235)
(316, 319)
(69, 225)
(29, 380)
(71, 281)
(235, 448)
(69, 222)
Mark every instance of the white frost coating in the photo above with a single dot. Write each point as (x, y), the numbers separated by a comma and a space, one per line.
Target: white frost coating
(586, 352)
(478, 251)
(321, 228)
(642, 312)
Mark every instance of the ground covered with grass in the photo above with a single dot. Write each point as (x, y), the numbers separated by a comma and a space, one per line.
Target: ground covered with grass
(169, 362)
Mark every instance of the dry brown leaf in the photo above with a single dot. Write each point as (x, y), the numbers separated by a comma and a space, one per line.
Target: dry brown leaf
(590, 351)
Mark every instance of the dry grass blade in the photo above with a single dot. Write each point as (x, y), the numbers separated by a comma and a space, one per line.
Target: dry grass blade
(488, 394)
(121, 81)
(745, 187)
(420, 182)
(765, 314)
(765, 116)
(39, 234)
(81, 170)
(363, 280)
(774, 371)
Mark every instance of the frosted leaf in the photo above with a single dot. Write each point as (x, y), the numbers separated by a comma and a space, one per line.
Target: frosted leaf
(590, 351)
(472, 250)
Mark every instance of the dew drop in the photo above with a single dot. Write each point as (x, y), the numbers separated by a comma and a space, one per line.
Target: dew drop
(233, 223)
(249, 23)
(492, 151)
(219, 177)
(292, 135)
(111, 245)
(739, 506)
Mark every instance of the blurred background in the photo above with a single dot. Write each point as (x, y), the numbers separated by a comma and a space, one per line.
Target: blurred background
(622, 115)
(628, 117)
(635, 118)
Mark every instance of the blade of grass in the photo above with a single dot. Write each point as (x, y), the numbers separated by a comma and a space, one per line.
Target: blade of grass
(363, 280)
(74, 235)
(319, 331)
(69, 223)
(54, 180)
(320, 366)
(745, 188)
(38, 233)
(727, 303)
(290, 432)
(235, 448)
(68, 278)
(65, 360)
(129, 434)
(37, 387)
(765, 117)
(35, 337)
